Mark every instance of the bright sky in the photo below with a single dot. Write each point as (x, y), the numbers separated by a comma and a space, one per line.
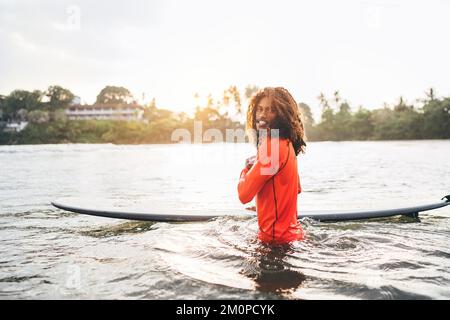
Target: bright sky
(371, 51)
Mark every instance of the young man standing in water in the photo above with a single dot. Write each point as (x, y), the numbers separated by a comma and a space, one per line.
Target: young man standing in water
(272, 175)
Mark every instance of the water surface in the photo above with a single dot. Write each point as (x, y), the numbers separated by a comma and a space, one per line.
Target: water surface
(48, 253)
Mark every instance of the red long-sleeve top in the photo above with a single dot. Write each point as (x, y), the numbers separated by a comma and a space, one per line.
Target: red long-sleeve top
(275, 182)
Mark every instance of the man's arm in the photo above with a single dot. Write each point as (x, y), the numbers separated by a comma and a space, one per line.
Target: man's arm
(250, 182)
(253, 179)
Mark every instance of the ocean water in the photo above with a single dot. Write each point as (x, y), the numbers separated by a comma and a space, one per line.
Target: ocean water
(46, 253)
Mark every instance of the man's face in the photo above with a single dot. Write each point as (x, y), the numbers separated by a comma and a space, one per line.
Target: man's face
(265, 114)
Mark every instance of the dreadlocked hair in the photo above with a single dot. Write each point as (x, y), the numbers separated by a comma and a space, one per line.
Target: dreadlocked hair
(289, 122)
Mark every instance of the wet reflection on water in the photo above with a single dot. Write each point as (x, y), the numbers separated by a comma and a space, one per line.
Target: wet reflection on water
(270, 271)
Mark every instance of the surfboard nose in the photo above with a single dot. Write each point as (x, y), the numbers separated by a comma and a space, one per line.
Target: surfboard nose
(447, 197)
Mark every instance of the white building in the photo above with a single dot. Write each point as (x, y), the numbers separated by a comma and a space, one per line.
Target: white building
(15, 126)
(128, 112)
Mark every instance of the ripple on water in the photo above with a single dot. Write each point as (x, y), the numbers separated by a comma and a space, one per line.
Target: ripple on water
(118, 229)
(393, 258)
(227, 253)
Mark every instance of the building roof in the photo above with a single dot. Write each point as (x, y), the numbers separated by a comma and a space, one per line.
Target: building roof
(107, 106)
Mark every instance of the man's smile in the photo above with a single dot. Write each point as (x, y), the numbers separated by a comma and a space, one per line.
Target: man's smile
(262, 124)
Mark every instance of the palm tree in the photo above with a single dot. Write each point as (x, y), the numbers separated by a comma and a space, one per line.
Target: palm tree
(323, 101)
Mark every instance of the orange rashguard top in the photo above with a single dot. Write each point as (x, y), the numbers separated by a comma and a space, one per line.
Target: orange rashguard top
(275, 182)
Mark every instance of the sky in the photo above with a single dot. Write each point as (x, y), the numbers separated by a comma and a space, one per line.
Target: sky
(370, 51)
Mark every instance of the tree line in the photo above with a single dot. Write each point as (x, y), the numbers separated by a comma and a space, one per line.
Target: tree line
(428, 118)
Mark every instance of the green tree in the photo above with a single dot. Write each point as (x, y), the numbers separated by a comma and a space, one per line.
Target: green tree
(401, 123)
(250, 90)
(21, 100)
(150, 111)
(401, 105)
(327, 125)
(306, 114)
(207, 115)
(114, 95)
(233, 94)
(38, 116)
(436, 119)
(2, 106)
(431, 95)
(342, 122)
(382, 120)
(361, 124)
(58, 97)
(307, 119)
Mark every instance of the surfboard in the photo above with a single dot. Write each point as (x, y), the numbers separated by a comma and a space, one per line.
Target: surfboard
(116, 209)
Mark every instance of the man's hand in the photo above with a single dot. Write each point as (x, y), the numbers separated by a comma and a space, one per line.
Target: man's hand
(249, 162)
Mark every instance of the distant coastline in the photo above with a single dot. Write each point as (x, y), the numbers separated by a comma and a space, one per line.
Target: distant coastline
(56, 116)
(122, 132)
